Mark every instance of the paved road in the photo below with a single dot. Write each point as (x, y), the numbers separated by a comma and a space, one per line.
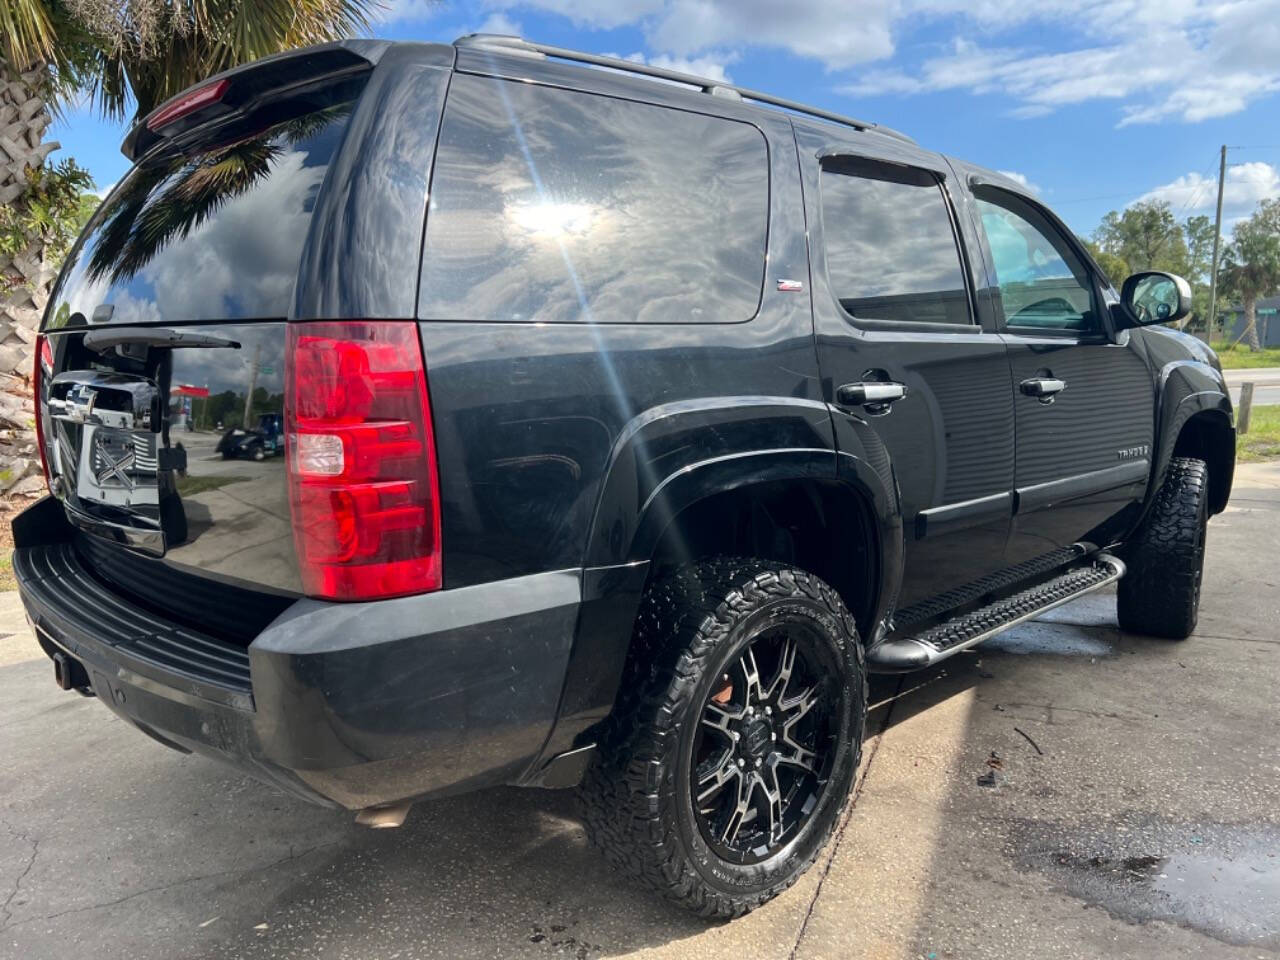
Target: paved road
(1266, 384)
(1135, 815)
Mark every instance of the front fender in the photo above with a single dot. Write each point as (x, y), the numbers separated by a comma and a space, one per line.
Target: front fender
(1189, 388)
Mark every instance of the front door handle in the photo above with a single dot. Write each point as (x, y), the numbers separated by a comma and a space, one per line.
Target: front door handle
(870, 393)
(1044, 389)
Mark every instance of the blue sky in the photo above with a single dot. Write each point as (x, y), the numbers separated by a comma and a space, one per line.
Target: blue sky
(1096, 103)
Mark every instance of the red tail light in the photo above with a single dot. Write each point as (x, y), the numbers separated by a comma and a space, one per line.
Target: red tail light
(361, 458)
(43, 371)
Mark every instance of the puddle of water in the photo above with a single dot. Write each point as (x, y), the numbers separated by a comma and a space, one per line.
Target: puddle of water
(1062, 639)
(1222, 881)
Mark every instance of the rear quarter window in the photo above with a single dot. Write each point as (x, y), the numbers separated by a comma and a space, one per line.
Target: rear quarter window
(557, 206)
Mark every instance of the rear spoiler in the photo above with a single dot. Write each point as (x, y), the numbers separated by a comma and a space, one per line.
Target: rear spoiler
(240, 89)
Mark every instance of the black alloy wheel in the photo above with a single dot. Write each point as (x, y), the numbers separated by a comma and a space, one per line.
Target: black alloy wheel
(763, 753)
(735, 740)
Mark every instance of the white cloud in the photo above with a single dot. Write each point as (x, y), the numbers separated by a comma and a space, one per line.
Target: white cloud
(1246, 184)
(500, 23)
(708, 67)
(406, 11)
(838, 34)
(1157, 59)
(1020, 178)
(1191, 61)
(101, 192)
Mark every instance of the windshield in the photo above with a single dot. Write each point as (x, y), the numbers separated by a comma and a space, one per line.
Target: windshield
(212, 232)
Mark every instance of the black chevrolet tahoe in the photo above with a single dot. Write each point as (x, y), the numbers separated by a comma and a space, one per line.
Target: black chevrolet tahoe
(629, 421)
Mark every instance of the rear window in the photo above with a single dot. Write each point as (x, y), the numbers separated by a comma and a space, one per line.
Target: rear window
(557, 206)
(211, 232)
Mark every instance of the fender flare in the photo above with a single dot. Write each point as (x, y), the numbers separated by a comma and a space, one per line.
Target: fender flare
(636, 507)
(1187, 388)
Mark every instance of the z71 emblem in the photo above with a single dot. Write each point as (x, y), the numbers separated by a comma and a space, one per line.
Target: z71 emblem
(1133, 453)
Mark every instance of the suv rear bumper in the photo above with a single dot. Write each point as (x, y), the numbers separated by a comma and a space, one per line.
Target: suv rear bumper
(344, 704)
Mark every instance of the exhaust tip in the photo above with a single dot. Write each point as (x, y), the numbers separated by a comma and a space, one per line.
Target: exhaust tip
(384, 816)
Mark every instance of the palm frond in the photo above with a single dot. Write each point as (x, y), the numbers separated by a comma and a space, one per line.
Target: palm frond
(27, 35)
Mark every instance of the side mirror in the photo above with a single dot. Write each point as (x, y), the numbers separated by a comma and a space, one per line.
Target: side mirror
(1154, 297)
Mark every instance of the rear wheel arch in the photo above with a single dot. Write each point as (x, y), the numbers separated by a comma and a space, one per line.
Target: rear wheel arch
(826, 527)
(788, 494)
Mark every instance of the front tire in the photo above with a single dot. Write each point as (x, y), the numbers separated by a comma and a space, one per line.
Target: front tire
(1160, 594)
(736, 737)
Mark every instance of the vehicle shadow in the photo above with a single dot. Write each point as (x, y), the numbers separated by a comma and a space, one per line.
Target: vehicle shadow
(509, 872)
(501, 873)
(241, 870)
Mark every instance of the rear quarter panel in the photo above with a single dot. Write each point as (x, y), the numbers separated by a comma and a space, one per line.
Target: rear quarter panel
(553, 437)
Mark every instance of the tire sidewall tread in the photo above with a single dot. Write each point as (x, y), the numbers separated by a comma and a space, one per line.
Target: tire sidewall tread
(636, 808)
(1159, 594)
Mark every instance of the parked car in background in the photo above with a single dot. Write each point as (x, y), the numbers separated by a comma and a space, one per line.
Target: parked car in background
(265, 440)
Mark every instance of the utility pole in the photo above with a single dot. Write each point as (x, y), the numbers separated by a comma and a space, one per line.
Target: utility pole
(1217, 240)
(253, 384)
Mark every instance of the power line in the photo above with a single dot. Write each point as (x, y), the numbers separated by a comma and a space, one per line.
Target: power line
(1195, 194)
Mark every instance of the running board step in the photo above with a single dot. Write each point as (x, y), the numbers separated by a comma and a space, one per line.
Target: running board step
(962, 632)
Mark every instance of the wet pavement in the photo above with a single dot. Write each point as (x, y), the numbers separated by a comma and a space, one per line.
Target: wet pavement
(1219, 879)
(1128, 808)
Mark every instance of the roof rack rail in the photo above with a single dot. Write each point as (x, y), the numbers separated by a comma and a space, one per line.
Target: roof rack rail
(521, 47)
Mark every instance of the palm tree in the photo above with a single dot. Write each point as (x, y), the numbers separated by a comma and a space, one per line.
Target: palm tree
(118, 53)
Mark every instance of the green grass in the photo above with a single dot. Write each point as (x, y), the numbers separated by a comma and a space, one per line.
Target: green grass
(7, 582)
(1262, 442)
(1239, 357)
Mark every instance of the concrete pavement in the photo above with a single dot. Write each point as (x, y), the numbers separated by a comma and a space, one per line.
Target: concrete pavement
(1133, 815)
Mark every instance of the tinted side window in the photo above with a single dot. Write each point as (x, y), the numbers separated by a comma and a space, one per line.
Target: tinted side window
(890, 245)
(1042, 282)
(553, 205)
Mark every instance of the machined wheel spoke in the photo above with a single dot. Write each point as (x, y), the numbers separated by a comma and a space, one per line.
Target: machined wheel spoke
(786, 663)
(719, 718)
(768, 781)
(712, 782)
(798, 706)
(751, 673)
(794, 755)
(738, 815)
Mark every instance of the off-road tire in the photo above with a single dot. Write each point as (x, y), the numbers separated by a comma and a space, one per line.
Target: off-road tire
(1159, 596)
(689, 626)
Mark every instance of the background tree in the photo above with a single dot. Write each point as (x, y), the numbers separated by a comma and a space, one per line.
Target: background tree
(1145, 236)
(1251, 264)
(1198, 232)
(121, 54)
(1113, 265)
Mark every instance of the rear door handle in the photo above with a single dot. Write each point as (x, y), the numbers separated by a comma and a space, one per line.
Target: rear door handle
(869, 394)
(1043, 388)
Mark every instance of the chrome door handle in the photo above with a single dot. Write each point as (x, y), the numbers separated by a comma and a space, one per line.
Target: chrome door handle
(869, 393)
(1044, 389)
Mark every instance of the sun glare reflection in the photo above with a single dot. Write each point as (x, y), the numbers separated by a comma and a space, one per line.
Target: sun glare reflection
(548, 220)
